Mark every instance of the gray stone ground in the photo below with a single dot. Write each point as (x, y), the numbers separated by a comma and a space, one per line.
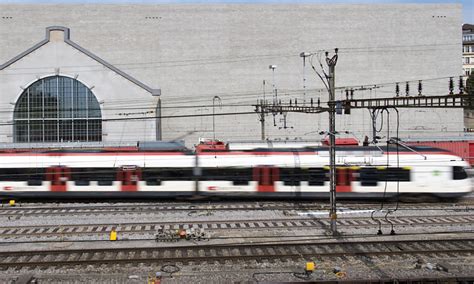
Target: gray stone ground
(361, 267)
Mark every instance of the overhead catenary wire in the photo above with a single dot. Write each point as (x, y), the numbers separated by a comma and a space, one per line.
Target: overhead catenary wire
(245, 94)
(232, 59)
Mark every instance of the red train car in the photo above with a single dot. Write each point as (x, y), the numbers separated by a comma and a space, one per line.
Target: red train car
(462, 148)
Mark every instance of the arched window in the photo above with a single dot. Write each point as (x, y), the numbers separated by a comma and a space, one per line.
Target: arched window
(57, 109)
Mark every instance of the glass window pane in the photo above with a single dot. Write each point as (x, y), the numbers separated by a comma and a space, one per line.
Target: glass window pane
(50, 130)
(36, 100)
(80, 102)
(50, 98)
(57, 109)
(95, 130)
(65, 99)
(36, 131)
(21, 131)
(80, 130)
(65, 131)
(21, 109)
(93, 104)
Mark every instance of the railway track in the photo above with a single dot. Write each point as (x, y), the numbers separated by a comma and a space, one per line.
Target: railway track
(59, 210)
(8, 232)
(232, 252)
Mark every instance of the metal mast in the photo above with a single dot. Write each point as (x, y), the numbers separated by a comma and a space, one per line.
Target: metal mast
(331, 62)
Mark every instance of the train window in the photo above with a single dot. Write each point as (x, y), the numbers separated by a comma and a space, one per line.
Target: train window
(154, 176)
(368, 177)
(153, 182)
(291, 176)
(34, 182)
(82, 182)
(238, 176)
(83, 176)
(459, 173)
(214, 174)
(105, 182)
(104, 176)
(22, 174)
(151, 176)
(316, 176)
(13, 175)
(241, 176)
(78, 175)
(395, 174)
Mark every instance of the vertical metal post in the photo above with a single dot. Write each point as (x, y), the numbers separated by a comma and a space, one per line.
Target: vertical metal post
(262, 112)
(275, 92)
(213, 117)
(304, 55)
(332, 141)
(374, 126)
(196, 173)
(262, 119)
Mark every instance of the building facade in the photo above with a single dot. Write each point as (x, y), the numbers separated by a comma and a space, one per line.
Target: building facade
(116, 73)
(468, 49)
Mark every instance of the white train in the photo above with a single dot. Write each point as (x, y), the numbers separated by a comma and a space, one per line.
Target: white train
(362, 172)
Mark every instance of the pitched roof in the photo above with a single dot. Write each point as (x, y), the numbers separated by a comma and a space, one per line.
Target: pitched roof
(153, 91)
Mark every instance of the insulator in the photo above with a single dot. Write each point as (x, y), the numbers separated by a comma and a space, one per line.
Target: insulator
(347, 108)
(290, 102)
(347, 94)
(311, 102)
(397, 89)
(461, 85)
(420, 88)
(352, 94)
(407, 89)
(319, 102)
(296, 102)
(451, 85)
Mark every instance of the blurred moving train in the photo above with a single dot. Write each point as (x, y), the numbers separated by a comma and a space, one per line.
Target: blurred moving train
(214, 170)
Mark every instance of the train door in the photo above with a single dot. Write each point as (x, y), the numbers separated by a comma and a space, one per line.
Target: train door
(129, 177)
(58, 176)
(266, 176)
(344, 178)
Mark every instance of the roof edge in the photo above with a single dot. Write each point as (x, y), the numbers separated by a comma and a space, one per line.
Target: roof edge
(152, 91)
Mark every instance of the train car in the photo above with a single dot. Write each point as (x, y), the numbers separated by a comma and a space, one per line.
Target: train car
(361, 172)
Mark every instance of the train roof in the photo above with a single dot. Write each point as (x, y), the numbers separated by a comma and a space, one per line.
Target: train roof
(413, 149)
(368, 149)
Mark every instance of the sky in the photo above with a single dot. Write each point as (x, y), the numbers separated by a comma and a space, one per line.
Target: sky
(468, 5)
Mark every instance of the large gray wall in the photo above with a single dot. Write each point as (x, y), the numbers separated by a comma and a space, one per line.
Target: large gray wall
(196, 52)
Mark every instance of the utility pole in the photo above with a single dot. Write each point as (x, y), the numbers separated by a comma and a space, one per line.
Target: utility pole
(262, 119)
(331, 62)
(275, 92)
(213, 118)
(304, 55)
(262, 112)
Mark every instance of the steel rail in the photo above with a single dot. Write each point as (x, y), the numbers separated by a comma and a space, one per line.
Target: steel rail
(239, 252)
(8, 232)
(158, 209)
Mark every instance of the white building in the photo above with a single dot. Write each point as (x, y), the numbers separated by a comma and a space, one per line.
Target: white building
(111, 67)
(468, 49)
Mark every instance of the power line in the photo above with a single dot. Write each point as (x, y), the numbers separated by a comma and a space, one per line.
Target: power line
(152, 117)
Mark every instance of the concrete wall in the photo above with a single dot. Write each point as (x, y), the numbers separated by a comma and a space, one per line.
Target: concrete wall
(196, 52)
(111, 90)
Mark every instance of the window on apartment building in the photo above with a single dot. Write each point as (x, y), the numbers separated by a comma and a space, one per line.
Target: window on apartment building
(467, 48)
